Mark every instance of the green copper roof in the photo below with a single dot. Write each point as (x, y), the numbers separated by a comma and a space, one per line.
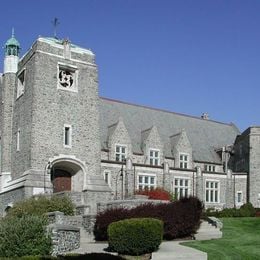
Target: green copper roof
(12, 41)
(12, 46)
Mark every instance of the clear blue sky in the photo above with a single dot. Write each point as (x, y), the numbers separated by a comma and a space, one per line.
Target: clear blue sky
(184, 56)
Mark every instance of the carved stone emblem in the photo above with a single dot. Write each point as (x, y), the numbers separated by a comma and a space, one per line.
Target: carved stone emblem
(66, 78)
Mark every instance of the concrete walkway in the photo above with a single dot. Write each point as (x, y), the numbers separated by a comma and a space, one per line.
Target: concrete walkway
(169, 250)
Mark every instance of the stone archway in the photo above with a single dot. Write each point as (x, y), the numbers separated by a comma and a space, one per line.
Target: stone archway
(67, 174)
(61, 180)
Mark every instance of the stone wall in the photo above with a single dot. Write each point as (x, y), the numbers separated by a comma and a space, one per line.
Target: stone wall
(126, 203)
(8, 198)
(254, 166)
(6, 104)
(64, 238)
(65, 232)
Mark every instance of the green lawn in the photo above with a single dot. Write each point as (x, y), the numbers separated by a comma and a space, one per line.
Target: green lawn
(241, 240)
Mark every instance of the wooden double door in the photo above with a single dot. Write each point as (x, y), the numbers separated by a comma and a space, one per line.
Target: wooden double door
(61, 180)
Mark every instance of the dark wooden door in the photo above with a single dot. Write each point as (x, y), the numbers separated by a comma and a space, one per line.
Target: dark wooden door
(61, 180)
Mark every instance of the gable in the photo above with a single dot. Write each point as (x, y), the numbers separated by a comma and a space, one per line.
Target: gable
(204, 135)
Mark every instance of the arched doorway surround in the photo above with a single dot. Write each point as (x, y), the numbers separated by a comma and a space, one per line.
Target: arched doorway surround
(67, 173)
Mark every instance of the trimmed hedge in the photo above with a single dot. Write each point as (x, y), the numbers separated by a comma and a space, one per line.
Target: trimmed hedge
(181, 218)
(246, 210)
(135, 236)
(24, 236)
(41, 204)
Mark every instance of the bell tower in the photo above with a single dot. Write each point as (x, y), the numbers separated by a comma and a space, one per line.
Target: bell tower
(8, 81)
(12, 50)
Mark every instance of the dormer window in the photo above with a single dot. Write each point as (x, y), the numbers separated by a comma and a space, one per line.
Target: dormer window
(120, 153)
(210, 168)
(184, 161)
(154, 157)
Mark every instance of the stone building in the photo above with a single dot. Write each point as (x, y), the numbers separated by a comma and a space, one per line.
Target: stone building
(58, 135)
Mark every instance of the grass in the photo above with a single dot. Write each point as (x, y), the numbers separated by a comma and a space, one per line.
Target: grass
(241, 240)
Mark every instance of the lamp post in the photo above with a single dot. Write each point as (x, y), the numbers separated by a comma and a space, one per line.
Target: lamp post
(47, 170)
(120, 174)
(122, 182)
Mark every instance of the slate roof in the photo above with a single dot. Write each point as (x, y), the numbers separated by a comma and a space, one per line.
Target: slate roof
(204, 135)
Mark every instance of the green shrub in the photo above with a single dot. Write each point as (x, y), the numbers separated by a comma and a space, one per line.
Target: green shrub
(246, 210)
(135, 236)
(39, 205)
(30, 257)
(24, 236)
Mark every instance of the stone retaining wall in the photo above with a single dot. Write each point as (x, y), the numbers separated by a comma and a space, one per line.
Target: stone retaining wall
(65, 232)
(132, 203)
(64, 238)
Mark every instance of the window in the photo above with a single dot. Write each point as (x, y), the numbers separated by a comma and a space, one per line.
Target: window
(146, 182)
(107, 177)
(67, 77)
(183, 161)
(18, 140)
(67, 136)
(154, 157)
(120, 153)
(239, 197)
(181, 187)
(210, 168)
(20, 84)
(212, 191)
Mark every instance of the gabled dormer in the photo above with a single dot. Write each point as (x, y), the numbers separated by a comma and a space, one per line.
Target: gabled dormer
(152, 146)
(119, 142)
(181, 150)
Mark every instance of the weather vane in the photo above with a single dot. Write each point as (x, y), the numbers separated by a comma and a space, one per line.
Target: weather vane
(55, 23)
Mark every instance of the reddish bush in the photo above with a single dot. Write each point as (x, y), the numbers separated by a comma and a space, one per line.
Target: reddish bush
(105, 218)
(181, 218)
(257, 212)
(156, 194)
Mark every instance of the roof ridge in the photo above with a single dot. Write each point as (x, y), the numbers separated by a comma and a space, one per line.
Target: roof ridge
(146, 130)
(167, 111)
(175, 135)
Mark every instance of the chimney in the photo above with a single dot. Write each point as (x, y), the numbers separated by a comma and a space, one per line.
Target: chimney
(205, 116)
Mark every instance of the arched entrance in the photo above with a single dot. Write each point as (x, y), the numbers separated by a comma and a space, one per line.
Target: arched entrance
(61, 180)
(67, 174)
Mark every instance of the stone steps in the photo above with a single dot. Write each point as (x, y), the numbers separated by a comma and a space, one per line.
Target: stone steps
(207, 231)
(85, 239)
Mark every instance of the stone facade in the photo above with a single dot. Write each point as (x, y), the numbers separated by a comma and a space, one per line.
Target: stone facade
(58, 135)
(247, 158)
